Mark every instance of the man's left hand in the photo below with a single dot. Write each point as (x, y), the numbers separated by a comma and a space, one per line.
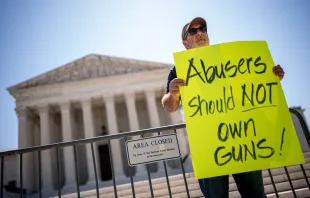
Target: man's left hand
(278, 70)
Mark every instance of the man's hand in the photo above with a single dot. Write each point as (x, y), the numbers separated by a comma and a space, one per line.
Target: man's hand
(277, 70)
(171, 100)
(174, 86)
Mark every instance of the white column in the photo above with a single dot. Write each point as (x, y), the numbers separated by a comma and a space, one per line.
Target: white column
(67, 136)
(132, 111)
(89, 132)
(153, 115)
(133, 120)
(175, 118)
(25, 139)
(46, 157)
(113, 129)
(152, 108)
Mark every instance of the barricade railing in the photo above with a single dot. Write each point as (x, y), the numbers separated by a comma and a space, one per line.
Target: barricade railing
(306, 133)
(108, 138)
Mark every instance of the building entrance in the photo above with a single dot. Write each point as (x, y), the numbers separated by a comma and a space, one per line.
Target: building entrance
(105, 162)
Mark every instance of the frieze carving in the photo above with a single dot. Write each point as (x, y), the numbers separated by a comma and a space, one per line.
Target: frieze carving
(92, 66)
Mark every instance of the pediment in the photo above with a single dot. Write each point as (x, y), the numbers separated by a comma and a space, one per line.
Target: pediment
(90, 67)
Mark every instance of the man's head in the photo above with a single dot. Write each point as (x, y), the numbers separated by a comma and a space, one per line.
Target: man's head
(194, 34)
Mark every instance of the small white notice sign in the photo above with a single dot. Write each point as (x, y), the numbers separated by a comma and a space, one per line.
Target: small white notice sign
(152, 149)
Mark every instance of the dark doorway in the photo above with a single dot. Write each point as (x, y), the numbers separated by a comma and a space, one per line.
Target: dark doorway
(105, 163)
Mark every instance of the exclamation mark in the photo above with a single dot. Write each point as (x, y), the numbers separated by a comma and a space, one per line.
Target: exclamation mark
(282, 140)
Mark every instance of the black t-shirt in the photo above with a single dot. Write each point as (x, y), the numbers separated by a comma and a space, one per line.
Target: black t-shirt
(172, 75)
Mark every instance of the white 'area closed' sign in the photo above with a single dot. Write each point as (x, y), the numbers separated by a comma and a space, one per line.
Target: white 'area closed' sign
(152, 149)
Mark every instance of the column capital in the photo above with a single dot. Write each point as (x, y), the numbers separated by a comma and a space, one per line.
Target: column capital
(66, 105)
(129, 93)
(85, 101)
(21, 112)
(43, 108)
(150, 92)
(108, 98)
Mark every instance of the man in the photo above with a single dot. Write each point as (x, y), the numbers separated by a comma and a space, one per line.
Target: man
(250, 184)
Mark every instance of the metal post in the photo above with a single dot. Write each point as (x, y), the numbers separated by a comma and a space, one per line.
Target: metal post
(183, 172)
(131, 179)
(40, 174)
(112, 169)
(290, 181)
(167, 177)
(273, 184)
(95, 169)
(305, 175)
(76, 172)
(58, 172)
(21, 174)
(149, 177)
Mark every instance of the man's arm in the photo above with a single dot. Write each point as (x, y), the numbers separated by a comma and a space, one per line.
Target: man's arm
(171, 102)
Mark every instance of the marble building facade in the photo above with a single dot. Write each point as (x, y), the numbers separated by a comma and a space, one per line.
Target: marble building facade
(92, 96)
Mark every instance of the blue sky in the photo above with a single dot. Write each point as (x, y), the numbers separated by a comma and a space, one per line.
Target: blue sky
(37, 36)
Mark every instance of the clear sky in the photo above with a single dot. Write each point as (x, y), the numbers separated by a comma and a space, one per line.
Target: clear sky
(37, 36)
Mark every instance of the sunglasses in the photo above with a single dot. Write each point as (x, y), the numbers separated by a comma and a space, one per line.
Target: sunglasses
(193, 31)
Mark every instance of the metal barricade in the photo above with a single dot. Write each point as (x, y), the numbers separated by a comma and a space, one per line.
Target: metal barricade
(125, 135)
(91, 141)
(306, 133)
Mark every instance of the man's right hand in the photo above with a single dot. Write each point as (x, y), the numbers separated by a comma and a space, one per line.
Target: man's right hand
(174, 86)
(171, 100)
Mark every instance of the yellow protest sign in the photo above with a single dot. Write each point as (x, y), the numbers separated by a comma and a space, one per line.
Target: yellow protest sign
(236, 115)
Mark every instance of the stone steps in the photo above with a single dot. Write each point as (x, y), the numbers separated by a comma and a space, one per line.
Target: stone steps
(177, 186)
